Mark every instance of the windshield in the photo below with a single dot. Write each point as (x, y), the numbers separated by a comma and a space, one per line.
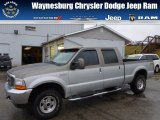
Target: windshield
(133, 56)
(64, 56)
(4, 58)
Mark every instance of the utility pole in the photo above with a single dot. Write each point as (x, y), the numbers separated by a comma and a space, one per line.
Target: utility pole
(47, 37)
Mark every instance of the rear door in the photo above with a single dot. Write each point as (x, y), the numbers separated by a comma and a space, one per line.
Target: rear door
(113, 68)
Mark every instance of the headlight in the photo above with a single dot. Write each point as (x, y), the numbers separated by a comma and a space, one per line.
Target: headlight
(20, 85)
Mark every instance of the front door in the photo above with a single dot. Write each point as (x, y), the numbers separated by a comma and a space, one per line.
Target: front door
(90, 78)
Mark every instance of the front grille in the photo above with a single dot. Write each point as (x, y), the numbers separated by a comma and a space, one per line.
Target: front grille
(10, 79)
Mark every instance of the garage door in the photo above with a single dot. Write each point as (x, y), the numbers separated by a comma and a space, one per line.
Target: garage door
(4, 49)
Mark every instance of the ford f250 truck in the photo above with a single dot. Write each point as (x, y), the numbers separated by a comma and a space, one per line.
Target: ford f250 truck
(74, 74)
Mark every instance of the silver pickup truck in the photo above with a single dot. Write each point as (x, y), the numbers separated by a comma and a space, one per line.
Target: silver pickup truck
(74, 74)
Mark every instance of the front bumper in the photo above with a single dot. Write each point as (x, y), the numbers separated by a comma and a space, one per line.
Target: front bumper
(17, 96)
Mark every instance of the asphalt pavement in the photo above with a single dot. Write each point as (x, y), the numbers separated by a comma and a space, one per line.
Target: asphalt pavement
(122, 105)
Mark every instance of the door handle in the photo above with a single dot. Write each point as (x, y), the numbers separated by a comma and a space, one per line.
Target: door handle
(100, 70)
(119, 67)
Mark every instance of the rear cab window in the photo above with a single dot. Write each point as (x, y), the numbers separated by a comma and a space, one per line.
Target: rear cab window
(109, 56)
(4, 58)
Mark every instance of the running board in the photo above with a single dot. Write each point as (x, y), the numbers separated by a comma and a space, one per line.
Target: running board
(101, 93)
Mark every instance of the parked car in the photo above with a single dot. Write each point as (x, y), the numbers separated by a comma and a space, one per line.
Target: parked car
(154, 57)
(74, 74)
(5, 62)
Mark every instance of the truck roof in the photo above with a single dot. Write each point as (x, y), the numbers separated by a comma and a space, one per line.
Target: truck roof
(144, 54)
(91, 47)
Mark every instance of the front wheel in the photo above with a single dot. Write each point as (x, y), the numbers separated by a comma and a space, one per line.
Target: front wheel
(47, 104)
(138, 85)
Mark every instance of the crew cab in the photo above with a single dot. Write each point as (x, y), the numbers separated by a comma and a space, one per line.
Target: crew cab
(154, 57)
(74, 74)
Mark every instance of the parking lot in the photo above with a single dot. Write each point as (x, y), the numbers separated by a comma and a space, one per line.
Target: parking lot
(122, 105)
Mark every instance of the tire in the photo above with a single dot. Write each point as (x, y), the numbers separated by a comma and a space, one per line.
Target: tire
(156, 70)
(139, 84)
(47, 104)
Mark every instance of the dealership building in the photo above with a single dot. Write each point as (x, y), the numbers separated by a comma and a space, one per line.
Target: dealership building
(23, 42)
(30, 43)
(98, 36)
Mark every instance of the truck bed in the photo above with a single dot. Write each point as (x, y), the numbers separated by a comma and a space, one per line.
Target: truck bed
(132, 65)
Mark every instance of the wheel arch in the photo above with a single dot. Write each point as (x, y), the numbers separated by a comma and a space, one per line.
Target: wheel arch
(45, 86)
(157, 65)
(141, 72)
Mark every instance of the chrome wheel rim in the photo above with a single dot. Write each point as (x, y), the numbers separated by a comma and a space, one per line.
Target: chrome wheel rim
(140, 84)
(48, 104)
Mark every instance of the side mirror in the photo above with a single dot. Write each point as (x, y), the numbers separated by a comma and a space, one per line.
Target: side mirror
(79, 64)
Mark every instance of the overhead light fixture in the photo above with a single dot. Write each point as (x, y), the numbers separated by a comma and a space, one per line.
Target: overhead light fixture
(27, 48)
(60, 47)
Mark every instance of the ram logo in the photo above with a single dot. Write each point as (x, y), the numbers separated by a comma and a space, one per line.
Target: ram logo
(147, 17)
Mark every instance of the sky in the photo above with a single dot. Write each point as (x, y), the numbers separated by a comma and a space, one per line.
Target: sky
(134, 32)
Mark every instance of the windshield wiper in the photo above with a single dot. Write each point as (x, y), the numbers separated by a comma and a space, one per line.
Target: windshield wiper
(54, 62)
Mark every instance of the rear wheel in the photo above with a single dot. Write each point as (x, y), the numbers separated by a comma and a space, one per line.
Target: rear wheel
(47, 104)
(139, 84)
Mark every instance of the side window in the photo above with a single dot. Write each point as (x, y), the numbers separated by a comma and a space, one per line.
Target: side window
(152, 57)
(155, 57)
(148, 57)
(90, 57)
(143, 57)
(109, 56)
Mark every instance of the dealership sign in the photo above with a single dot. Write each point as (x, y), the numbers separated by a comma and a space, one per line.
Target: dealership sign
(99, 10)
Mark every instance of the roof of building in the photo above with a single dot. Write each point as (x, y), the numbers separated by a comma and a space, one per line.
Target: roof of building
(85, 30)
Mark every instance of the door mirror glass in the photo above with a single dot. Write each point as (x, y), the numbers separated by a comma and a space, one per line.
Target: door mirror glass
(79, 64)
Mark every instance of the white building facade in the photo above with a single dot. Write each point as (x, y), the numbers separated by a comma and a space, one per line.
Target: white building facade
(19, 41)
(98, 36)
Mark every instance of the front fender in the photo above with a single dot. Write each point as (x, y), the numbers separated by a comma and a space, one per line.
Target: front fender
(43, 80)
(49, 79)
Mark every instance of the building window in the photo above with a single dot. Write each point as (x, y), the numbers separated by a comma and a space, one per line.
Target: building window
(30, 28)
(52, 52)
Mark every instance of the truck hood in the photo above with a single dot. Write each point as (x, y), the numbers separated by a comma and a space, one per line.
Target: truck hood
(34, 69)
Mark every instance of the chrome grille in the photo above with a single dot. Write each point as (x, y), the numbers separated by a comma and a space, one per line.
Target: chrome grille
(10, 79)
